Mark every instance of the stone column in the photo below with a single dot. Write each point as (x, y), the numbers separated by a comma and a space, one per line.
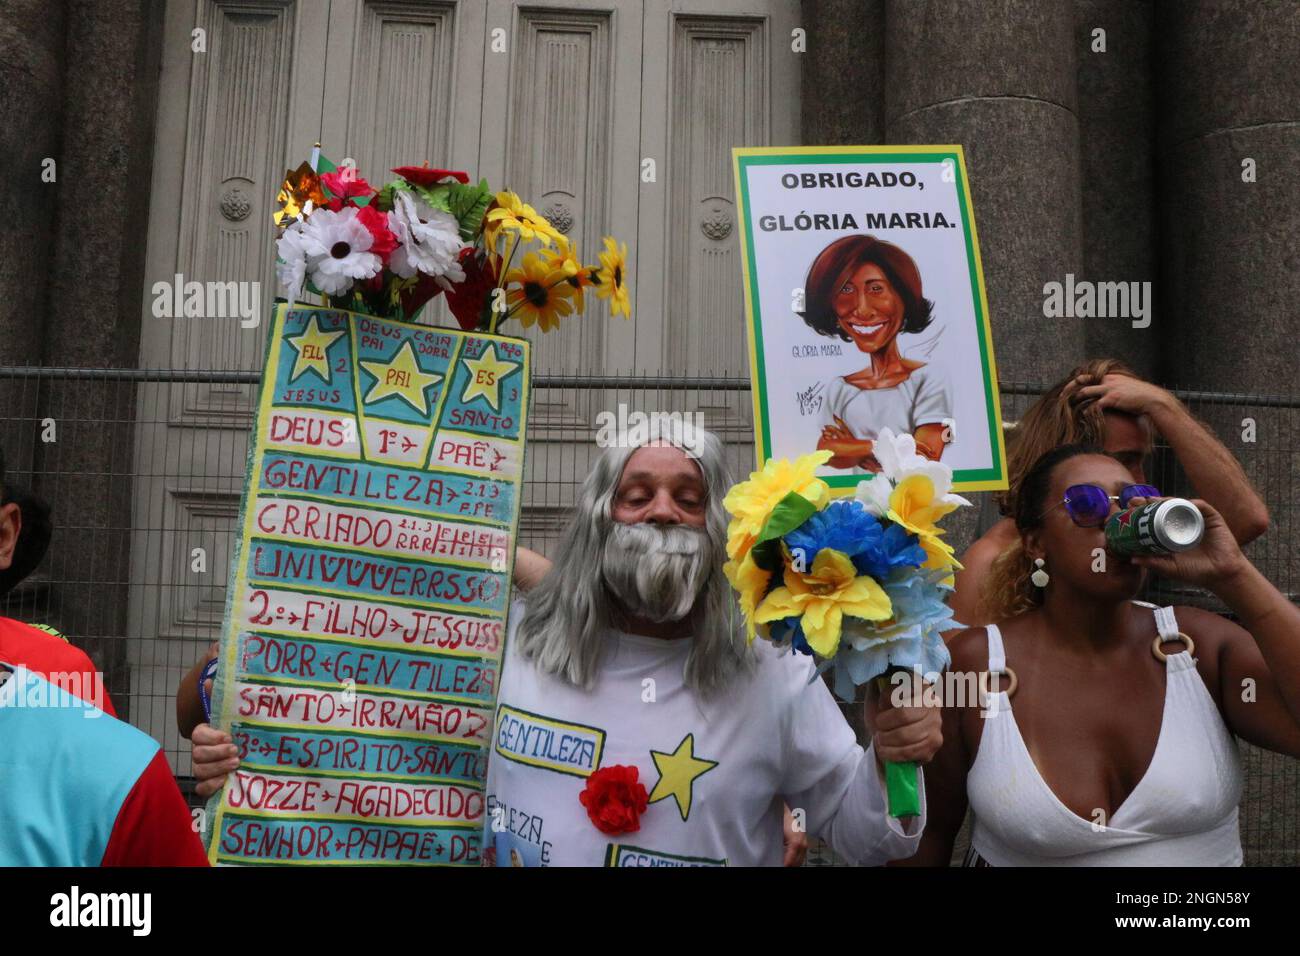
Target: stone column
(31, 68)
(1229, 148)
(31, 98)
(93, 319)
(999, 78)
(842, 88)
(1117, 165)
(1230, 93)
(1229, 111)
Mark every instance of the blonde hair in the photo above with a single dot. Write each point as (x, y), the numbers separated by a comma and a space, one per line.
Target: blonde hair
(1053, 421)
(1007, 589)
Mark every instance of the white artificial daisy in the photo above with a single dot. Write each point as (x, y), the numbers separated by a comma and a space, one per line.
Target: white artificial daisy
(338, 250)
(899, 459)
(428, 240)
(291, 262)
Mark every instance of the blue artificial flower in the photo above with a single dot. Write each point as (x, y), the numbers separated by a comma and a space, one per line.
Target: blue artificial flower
(898, 549)
(912, 641)
(847, 526)
(842, 525)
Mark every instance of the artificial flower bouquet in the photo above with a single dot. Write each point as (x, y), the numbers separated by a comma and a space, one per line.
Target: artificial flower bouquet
(858, 583)
(388, 251)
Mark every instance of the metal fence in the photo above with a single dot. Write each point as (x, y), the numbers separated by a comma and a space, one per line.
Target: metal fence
(144, 471)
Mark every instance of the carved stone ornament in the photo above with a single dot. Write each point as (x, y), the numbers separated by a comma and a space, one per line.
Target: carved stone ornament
(717, 224)
(560, 216)
(235, 205)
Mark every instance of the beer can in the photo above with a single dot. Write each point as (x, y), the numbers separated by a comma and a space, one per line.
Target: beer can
(1159, 527)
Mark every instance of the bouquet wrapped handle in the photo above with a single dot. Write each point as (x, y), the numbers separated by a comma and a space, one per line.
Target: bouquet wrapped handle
(902, 792)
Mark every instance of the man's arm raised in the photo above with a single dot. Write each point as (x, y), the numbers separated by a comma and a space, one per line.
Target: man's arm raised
(1213, 471)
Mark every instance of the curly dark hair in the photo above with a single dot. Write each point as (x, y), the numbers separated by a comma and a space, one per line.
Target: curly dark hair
(841, 259)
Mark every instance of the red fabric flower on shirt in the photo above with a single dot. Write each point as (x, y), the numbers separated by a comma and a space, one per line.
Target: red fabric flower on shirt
(614, 799)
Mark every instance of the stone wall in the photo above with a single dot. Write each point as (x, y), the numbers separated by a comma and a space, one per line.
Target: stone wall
(82, 78)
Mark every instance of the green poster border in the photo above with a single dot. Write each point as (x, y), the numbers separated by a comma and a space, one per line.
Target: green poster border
(992, 478)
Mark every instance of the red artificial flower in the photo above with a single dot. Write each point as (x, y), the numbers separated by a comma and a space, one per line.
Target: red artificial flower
(383, 241)
(344, 184)
(424, 176)
(614, 799)
(414, 297)
(468, 299)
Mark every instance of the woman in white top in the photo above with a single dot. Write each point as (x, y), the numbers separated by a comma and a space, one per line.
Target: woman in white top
(864, 290)
(1104, 732)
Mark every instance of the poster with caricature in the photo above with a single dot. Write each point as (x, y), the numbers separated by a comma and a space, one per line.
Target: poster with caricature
(866, 308)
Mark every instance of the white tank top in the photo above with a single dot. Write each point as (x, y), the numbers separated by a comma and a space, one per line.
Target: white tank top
(1183, 812)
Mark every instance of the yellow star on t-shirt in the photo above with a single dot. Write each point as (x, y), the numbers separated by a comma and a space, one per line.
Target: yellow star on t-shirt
(313, 350)
(677, 773)
(485, 375)
(401, 376)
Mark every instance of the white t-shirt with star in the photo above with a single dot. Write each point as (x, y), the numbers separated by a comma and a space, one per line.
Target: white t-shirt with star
(716, 770)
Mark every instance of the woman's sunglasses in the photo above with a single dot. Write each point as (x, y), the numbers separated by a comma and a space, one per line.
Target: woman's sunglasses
(1089, 505)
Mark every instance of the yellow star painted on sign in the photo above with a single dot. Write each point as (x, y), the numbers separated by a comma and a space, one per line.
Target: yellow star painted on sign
(677, 773)
(485, 375)
(313, 350)
(401, 376)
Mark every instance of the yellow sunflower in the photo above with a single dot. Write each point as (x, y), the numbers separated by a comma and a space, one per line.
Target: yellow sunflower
(914, 505)
(822, 597)
(750, 582)
(564, 259)
(512, 214)
(750, 502)
(612, 279)
(535, 292)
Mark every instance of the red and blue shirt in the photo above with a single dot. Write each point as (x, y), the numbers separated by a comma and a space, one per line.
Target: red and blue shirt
(78, 787)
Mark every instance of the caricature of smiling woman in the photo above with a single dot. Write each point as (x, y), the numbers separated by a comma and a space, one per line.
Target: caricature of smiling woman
(866, 291)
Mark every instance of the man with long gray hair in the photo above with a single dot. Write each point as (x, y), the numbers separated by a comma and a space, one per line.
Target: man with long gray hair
(635, 726)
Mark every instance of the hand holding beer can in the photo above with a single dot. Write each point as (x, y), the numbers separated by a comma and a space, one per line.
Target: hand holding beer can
(1159, 527)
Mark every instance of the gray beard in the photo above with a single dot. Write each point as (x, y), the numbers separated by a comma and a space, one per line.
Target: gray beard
(656, 572)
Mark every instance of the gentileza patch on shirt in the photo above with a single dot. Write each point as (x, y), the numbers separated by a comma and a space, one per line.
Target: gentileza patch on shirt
(545, 742)
(623, 854)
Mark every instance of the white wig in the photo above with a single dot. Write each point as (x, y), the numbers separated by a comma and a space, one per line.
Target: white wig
(567, 616)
